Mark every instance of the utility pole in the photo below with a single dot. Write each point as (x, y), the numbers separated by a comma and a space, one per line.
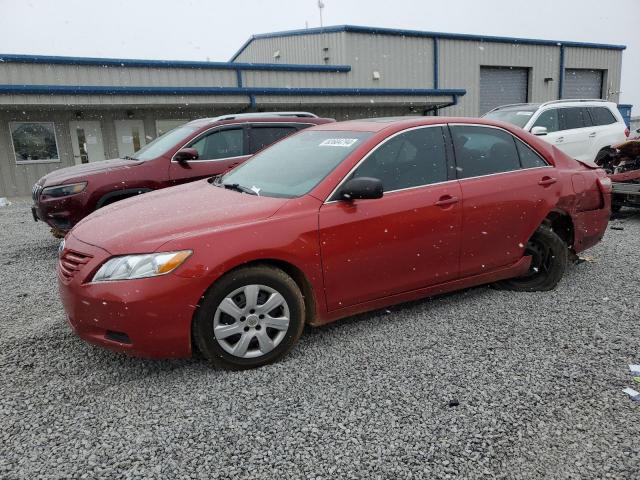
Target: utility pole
(320, 7)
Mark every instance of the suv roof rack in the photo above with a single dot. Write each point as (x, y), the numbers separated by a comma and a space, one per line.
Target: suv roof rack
(265, 114)
(575, 100)
(513, 105)
(550, 102)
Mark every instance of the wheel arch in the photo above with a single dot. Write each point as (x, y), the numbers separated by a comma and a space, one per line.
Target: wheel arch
(562, 224)
(117, 195)
(298, 276)
(296, 273)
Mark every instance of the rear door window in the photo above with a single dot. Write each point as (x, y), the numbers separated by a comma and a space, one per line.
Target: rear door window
(549, 120)
(601, 116)
(529, 158)
(263, 136)
(571, 118)
(483, 151)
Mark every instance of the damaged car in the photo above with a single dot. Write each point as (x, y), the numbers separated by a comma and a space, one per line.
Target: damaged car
(338, 219)
(622, 164)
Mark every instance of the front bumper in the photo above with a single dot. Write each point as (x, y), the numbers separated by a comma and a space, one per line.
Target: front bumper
(61, 213)
(145, 317)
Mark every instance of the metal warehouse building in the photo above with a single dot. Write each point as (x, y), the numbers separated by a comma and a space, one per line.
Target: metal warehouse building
(61, 111)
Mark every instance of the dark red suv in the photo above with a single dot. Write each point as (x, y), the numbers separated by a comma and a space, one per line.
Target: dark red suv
(199, 149)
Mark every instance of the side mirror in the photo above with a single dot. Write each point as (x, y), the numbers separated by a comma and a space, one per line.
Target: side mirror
(186, 154)
(361, 188)
(539, 130)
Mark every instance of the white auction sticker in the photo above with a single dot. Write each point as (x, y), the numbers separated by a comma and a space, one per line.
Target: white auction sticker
(338, 142)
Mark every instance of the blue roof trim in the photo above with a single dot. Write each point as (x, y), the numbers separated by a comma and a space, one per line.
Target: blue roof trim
(123, 62)
(419, 33)
(122, 90)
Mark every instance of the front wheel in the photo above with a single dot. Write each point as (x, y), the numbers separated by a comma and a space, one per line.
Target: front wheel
(549, 259)
(251, 317)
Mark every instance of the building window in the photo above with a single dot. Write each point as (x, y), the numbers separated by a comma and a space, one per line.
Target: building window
(34, 142)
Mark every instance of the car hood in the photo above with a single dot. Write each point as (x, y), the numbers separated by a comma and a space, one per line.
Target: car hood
(144, 223)
(80, 172)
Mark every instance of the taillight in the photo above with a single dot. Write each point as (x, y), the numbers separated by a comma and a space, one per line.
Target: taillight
(627, 132)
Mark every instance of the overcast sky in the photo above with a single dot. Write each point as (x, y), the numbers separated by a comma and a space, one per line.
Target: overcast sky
(215, 29)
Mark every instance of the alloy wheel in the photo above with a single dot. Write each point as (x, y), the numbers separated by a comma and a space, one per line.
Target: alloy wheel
(251, 321)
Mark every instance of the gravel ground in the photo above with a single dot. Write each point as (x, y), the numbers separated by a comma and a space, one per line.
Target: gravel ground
(538, 378)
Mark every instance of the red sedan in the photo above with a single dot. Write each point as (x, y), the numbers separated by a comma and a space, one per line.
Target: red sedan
(335, 220)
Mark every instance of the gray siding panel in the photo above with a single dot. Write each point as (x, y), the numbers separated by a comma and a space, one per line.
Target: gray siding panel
(460, 63)
(402, 62)
(295, 79)
(297, 50)
(38, 74)
(78, 101)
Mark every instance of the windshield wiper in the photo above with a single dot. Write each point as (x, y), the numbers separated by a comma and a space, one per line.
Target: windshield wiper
(239, 188)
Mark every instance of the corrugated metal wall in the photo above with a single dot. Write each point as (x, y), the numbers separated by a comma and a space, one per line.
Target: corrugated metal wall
(402, 62)
(460, 63)
(48, 74)
(300, 49)
(78, 101)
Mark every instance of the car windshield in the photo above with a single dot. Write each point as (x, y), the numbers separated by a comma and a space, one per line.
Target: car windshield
(163, 143)
(518, 117)
(294, 166)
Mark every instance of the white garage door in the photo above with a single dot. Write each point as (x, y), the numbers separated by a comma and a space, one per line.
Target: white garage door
(580, 83)
(502, 86)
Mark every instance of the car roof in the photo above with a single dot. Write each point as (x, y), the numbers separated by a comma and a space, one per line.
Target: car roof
(400, 123)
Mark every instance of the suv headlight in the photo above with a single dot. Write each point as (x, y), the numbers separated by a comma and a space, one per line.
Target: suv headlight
(64, 190)
(129, 267)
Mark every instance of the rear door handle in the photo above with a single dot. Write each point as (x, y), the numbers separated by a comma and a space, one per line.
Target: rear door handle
(592, 135)
(446, 200)
(559, 139)
(546, 181)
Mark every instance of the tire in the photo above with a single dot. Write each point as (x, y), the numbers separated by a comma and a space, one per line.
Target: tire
(615, 208)
(235, 332)
(550, 256)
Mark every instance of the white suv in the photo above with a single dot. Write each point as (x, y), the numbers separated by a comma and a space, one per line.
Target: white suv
(580, 128)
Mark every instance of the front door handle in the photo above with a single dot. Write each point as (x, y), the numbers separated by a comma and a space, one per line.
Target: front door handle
(592, 135)
(446, 200)
(546, 181)
(559, 139)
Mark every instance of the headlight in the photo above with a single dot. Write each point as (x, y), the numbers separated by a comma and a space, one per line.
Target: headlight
(140, 266)
(64, 190)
